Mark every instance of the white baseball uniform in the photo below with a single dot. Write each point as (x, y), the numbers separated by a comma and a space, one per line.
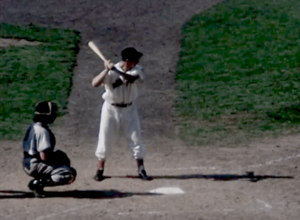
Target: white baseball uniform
(120, 120)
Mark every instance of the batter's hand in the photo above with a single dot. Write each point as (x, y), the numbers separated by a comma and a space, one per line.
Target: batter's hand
(108, 64)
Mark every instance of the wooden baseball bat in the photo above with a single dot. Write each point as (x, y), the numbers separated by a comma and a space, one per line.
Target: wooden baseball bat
(97, 51)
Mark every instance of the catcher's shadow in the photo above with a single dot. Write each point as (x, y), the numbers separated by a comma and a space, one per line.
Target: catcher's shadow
(78, 194)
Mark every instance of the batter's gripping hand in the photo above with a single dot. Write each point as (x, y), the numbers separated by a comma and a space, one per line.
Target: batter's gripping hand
(108, 64)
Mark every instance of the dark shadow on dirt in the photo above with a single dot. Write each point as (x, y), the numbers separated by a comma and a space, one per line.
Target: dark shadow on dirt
(77, 194)
(217, 177)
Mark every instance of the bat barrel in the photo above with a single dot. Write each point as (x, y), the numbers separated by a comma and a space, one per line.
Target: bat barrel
(96, 50)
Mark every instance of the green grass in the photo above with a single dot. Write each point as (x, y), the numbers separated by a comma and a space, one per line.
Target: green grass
(238, 75)
(30, 74)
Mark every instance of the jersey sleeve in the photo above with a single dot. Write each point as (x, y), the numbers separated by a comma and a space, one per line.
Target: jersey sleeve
(108, 78)
(43, 140)
(141, 74)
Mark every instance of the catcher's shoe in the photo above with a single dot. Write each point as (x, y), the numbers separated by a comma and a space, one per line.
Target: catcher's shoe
(99, 175)
(37, 188)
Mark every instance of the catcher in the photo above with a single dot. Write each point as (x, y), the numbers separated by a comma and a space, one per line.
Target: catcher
(46, 166)
(119, 111)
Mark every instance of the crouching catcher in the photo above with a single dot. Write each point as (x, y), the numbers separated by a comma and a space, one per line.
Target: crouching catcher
(47, 166)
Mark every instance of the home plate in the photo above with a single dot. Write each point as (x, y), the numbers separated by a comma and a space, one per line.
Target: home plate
(167, 190)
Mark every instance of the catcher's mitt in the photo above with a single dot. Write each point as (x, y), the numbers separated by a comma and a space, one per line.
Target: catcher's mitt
(60, 158)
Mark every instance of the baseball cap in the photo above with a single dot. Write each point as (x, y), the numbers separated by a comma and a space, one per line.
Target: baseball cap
(131, 53)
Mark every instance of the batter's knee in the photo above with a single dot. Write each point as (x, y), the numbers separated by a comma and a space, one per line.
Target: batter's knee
(102, 154)
(139, 156)
(139, 152)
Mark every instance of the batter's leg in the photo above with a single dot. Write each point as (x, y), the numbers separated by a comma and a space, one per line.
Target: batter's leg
(132, 133)
(108, 134)
(100, 170)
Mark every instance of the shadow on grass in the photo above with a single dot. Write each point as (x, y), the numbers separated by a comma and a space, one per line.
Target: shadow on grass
(77, 194)
(217, 177)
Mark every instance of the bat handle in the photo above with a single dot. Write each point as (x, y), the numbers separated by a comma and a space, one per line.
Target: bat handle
(103, 57)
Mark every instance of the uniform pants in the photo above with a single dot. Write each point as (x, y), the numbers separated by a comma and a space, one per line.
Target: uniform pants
(57, 174)
(117, 121)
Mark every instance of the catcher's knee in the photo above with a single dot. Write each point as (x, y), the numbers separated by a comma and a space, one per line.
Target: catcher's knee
(65, 177)
(70, 178)
(73, 175)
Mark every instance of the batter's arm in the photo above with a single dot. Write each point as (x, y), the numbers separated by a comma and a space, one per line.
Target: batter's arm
(128, 77)
(98, 80)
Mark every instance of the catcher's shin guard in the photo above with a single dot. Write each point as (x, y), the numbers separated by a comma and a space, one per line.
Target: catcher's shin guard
(63, 175)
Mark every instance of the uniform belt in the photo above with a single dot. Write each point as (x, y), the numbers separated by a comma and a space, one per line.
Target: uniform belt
(122, 105)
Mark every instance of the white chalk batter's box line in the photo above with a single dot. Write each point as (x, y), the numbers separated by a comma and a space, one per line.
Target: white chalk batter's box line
(263, 204)
(185, 212)
(182, 212)
(53, 216)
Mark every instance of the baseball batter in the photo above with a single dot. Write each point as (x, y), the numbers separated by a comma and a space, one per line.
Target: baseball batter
(119, 112)
(48, 167)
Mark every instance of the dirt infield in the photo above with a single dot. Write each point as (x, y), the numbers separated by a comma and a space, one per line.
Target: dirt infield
(213, 178)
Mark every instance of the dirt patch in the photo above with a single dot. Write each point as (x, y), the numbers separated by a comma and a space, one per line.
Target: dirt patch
(9, 42)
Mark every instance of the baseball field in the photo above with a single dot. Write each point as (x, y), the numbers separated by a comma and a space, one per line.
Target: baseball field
(219, 109)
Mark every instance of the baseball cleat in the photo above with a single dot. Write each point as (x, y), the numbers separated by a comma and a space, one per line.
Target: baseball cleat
(99, 175)
(37, 188)
(143, 175)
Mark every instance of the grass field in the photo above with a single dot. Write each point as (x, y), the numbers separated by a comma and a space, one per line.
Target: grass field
(30, 74)
(238, 74)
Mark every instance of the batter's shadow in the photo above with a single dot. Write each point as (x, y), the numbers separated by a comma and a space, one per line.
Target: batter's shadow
(250, 176)
(77, 194)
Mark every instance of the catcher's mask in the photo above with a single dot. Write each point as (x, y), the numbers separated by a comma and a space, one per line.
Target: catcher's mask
(45, 108)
